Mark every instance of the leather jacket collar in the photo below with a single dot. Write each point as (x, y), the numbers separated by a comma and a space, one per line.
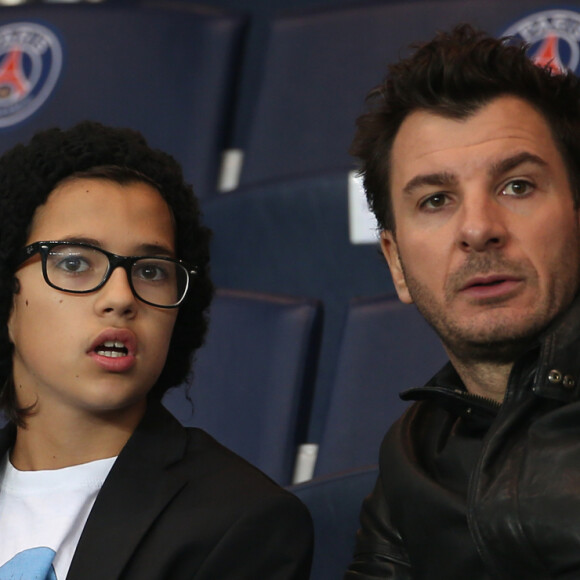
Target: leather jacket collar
(551, 364)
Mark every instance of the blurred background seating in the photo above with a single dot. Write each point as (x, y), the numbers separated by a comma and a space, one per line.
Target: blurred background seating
(252, 379)
(167, 69)
(334, 502)
(292, 237)
(385, 344)
(317, 65)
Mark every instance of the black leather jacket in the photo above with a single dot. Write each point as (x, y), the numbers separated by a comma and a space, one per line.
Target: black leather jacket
(471, 490)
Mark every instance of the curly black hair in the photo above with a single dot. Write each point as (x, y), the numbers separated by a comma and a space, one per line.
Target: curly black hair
(454, 75)
(29, 173)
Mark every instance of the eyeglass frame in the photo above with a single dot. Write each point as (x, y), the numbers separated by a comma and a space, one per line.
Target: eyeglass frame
(115, 261)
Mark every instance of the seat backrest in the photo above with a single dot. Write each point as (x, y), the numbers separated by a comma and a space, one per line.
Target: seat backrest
(252, 380)
(292, 237)
(386, 348)
(319, 65)
(334, 502)
(167, 70)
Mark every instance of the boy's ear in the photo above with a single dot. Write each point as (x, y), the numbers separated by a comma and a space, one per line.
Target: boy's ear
(16, 290)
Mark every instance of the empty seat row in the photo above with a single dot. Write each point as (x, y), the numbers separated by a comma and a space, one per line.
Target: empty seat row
(166, 70)
(173, 71)
(334, 501)
(252, 381)
(292, 237)
(318, 65)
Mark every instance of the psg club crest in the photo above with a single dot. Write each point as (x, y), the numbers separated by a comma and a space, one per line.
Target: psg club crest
(30, 64)
(553, 36)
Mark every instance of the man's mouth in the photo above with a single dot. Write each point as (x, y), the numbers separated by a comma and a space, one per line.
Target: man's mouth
(487, 284)
(488, 281)
(493, 287)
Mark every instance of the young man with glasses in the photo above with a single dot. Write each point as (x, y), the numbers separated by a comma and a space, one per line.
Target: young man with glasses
(103, 291)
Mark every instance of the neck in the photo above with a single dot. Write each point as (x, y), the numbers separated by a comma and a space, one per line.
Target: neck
(484, 379)
(75, 440)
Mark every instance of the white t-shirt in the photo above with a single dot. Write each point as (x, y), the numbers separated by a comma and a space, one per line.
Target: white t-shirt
(42, 515)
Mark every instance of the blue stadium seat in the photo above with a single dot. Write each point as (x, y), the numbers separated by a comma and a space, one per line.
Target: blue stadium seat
(292, 237)
(334, 502)
(386, 348)
(252, 380)
(168, 70)
(320, 64)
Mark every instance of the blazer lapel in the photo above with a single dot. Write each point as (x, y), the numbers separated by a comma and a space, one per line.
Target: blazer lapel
(137, 489)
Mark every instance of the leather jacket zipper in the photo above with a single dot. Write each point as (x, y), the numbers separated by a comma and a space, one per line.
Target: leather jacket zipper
(487, 402)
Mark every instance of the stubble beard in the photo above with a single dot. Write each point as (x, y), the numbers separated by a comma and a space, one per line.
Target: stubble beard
(504, 339)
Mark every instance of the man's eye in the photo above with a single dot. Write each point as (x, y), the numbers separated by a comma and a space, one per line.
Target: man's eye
(518, 187)
(434, 201)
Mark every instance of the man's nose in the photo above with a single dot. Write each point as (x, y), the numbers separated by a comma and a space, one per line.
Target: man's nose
(481, 224)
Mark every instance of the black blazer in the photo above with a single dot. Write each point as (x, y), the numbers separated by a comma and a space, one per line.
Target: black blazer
(178, 505)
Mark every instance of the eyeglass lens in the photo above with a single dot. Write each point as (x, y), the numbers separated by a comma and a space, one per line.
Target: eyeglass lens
(82, 269)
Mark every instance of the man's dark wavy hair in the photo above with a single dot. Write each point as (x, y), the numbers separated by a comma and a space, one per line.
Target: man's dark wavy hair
(454, 75)
(29, 173)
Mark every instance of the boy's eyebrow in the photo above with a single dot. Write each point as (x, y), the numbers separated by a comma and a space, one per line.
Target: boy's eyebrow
(145, 249)
(155, 250)
(81, 240)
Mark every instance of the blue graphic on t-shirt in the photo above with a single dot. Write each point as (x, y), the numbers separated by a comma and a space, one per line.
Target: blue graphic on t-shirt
(32, 564)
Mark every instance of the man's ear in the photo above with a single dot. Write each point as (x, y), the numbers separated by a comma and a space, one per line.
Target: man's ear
(391, 253)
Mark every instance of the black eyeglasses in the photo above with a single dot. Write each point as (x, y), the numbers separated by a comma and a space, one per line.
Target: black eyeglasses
(82, 268)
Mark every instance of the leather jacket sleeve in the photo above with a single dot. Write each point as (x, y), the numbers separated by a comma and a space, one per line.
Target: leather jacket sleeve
(379, 552)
